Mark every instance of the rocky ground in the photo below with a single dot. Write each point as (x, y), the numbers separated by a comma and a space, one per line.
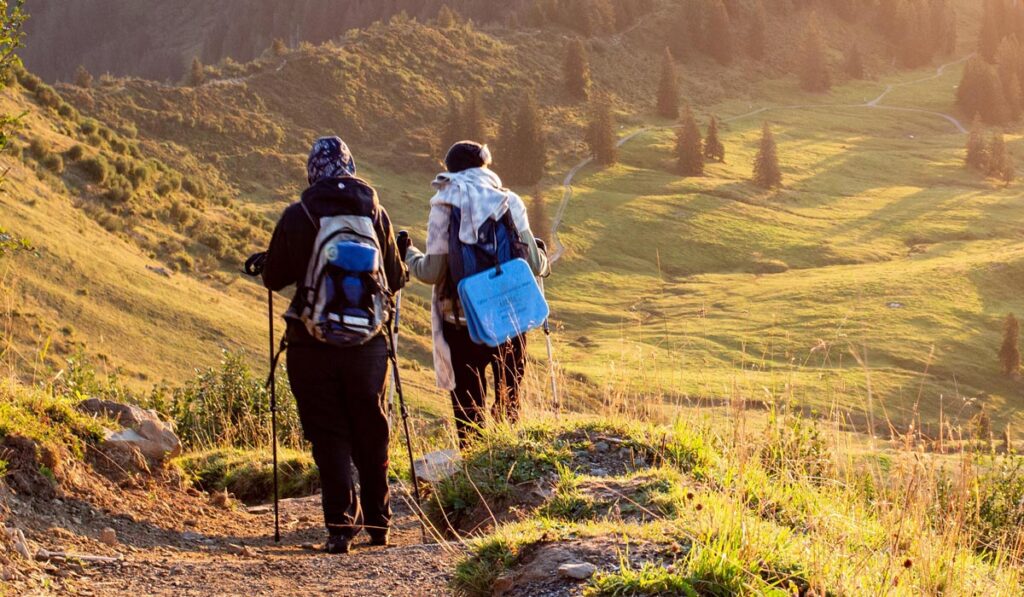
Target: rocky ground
(191, 544)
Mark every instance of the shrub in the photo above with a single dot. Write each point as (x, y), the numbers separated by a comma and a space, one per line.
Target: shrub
(37, 149)
(89, 127)
(94, 140)
(119, 189)
(193, 187)
(96, 168)
(183, 262)
(119, 146)
(214, 241)
(28, 80)
(54, 163)
(139, 175)
(66, 111)
(106, 133)
(76, 153)
(164, 188)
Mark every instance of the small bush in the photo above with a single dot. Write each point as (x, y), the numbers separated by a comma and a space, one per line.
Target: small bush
(47, 97)
(120, 190)
(193, 187)
(28, 80)
(94, 140)
(96, 168)
(37, 149)
(106, 133)
(139, 175)
(89, 127)
(122, 165)
(119, 146)
(66, 111)
(164, 188)
(54, 163)
(76, 153)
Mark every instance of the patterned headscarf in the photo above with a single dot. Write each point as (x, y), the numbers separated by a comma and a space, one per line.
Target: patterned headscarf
(329, 158)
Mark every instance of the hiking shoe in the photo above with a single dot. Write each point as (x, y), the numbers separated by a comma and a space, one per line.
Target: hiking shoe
(380, 539)
(338, 544)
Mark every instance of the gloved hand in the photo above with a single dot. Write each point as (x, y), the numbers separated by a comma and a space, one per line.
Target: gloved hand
(542, 245)
(254, 265)
(404, 242)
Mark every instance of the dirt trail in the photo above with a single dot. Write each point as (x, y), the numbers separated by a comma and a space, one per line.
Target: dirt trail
(178, 544)
(874, 104)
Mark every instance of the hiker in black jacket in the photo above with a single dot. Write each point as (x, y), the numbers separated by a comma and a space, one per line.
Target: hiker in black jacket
(339, 391)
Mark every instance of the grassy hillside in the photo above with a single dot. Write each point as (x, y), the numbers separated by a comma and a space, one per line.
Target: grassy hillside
(873, 285)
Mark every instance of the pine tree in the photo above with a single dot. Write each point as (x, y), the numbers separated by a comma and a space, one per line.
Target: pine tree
(474, 126)
(977, 150)
(981, 92)
(713, 148)
(997, 157)
(453, 131)
(853, 65)
(577, 71)
(719, 33)
(1008, 65)
(506, 151)
(1009, 352)
(767, 173)
(991, 31)
(601, 133)
(756, 36)
(83, 78)
(197, 74)
(446, 18)
(814, 70)
(530, 143)
(540, 224)
(689, 153)
(668, 88)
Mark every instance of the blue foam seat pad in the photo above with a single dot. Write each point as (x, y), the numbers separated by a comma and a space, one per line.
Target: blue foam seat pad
(354, 257)
(502, 303)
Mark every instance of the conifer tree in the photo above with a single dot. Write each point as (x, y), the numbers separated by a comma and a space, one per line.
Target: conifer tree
(719, 34)
(1008, 65)
(531, 152)
(689, 153)
(197, 74)
(505, 156)
(713, 148)
(756, 36)
(474, 126)
(452, 131)
(767, 173)
(446, 18)
(601, 133)
(83, 78)
(814, 69)
(577, 71)
(977, 150)
(853, 65)
(991, 31)
(278, 47)
(668, 88)
(981, 92)
(997, 157)
(1009, 352)
(540, 224)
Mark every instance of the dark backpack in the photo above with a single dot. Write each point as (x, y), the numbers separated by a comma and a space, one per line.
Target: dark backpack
(346, 300)
(497, 243)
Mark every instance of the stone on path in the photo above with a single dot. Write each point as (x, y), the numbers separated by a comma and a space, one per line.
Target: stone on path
(577, 570)
(143, 429)
(109, 537)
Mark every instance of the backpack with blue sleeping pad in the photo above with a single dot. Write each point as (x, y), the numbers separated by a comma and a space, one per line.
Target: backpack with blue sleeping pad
(491, 283)
(497, 242)
(346, 299)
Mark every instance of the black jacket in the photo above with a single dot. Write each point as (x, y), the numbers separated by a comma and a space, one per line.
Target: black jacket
(292, 244)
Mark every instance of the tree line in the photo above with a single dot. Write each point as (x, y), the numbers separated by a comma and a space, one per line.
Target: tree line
(992, 86)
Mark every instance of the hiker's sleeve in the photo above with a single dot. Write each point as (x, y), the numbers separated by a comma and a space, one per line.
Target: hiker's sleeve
(284, 264)
(537, 259)
(428, 269)
(394, 269)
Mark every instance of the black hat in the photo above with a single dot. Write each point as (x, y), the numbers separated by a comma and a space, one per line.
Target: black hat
(465, 155)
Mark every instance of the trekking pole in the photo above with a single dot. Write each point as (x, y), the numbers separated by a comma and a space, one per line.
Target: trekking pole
(403, 243)
(272, 380)
(254, 267)
(551, 357)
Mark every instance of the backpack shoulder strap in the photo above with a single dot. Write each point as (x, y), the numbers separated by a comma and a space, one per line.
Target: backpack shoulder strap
(310, 215)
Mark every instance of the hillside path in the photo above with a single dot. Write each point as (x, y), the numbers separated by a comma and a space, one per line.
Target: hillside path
(874, 104)
(232, 553)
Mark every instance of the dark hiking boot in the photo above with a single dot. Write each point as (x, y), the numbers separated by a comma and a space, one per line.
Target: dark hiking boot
(338, 544)
(380, 539)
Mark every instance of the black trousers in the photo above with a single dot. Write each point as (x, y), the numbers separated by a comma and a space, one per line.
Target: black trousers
(340, 395)
(470, 362)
